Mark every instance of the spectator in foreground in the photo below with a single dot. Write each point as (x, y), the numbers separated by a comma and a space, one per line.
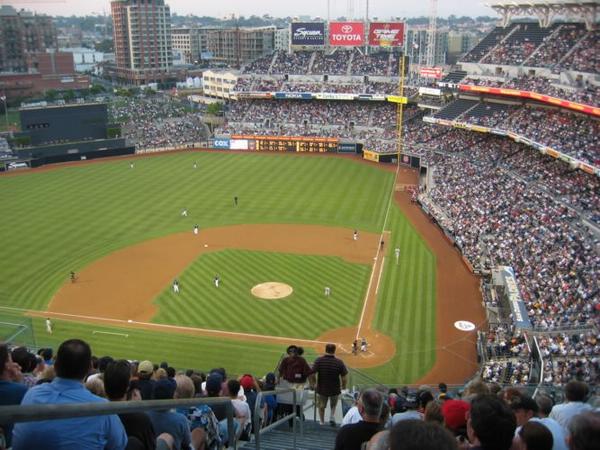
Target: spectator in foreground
(558, 432)
(575, 393)
(490, 424)
(168, 421)
(329, 374)
(351, 437)
(584, 431)
(534, 436)
(73, 361)
(137, 424)
(11, 390)
(419, 435)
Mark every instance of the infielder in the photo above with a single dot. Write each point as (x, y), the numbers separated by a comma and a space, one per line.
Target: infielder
(184, 212)
(196, 229)
(217, 280)
(176, 287)
(355, 235)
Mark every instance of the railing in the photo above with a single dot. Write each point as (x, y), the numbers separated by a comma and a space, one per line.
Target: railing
(31, 413)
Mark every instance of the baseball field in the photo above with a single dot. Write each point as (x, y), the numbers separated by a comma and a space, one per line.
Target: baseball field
(120, 228)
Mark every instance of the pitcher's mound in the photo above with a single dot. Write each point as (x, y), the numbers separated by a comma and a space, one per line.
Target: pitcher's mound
(272, 290)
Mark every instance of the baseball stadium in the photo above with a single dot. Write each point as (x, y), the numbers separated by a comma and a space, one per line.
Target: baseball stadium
(353, 193)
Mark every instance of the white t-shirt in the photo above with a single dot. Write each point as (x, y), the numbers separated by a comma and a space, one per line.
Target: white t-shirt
(352, 416)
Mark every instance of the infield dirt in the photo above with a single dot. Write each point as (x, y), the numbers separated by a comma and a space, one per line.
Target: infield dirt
(121, 286)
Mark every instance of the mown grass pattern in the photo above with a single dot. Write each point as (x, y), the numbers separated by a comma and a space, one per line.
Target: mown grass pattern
(61, 220)
(306, 313)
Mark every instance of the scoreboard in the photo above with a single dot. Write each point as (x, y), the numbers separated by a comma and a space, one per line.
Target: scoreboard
(289, 144)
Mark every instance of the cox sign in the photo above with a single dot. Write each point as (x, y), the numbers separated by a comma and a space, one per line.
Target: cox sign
(347, 34)
(221, 143)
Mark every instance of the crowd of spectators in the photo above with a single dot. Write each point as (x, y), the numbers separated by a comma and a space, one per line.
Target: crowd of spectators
(482, 414)
(570, 47)
(157, 121)
(556, 45)
(585, 93)
(586, 56)
(527, 227)
(341, 62)
(255, 84)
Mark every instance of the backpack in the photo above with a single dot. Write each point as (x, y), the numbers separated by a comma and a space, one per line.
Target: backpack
(202, 416)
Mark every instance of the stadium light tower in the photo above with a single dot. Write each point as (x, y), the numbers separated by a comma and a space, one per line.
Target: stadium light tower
(350, 9)
(431, 34)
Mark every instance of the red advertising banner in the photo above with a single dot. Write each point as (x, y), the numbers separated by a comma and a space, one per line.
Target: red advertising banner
(386, 34)
(431, 72)
(347, 34)
(587, 109)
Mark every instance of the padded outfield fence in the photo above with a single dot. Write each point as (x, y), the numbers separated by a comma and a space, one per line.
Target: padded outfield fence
(17, 329)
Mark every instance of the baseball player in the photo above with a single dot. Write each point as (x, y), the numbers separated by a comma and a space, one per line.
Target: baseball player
(72, 276)
(355, 235)
(196, 229)
(217, 280)
(195, 165)
(363, 345)
(184, 212)
(48, 325)
(397, 252)
(176, 287)
(131, 165)
(235, 201)
(327, 291)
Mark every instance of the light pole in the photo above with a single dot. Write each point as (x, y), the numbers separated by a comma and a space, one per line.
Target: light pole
(3, 98)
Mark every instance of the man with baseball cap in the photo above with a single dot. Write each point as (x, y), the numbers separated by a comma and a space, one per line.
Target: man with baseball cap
(146, 383)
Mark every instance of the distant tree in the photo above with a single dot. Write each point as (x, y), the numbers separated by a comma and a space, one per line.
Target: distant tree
(68, 95)
(96, 89)
(50, 95)
(105, 46)
(215, 109)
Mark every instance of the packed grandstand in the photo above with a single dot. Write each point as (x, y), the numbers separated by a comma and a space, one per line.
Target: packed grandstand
(512, 179)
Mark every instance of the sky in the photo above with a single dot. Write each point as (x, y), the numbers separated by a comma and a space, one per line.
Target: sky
(383, 9)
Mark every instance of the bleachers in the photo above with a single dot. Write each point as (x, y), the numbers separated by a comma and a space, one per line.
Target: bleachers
(586, 56)
(455, 76)
(455, 109)
(556, 45)
(487, 114)
(487, 43)
(518, 46)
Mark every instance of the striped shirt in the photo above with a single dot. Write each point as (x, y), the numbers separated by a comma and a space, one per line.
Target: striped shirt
(329, 369)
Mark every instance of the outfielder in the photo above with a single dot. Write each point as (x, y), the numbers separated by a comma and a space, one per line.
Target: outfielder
(48, 325)
(176, 287)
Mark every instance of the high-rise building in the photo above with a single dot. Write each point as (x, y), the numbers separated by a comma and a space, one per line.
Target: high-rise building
(187, 42)
(22, 33)
(238, 46)
(142, 40)
(416, 46)
(282, 39)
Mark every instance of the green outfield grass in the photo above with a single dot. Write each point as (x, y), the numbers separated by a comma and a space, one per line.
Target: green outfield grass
(306, 313)
(61, 220)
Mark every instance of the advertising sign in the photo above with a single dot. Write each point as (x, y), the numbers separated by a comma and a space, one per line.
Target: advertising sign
(334, 96)
(431, 72)
(308, 33)
(220, 143)
(350, 34)
(239, 144)
(293, 95)
(386, 34)
(513, 294)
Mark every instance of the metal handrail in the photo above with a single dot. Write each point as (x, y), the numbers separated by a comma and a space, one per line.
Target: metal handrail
(31, 413)
(256, 420)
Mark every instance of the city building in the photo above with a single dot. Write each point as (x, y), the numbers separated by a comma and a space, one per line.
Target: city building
(142, 40)
(186, 41)
(21, 33)
(459, 43)
(238, 46)
(282, 39)
(47, 70)
(86, 60)
(219, 84)
(416, 46)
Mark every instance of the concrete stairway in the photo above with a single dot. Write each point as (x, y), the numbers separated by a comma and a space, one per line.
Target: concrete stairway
(315, 437)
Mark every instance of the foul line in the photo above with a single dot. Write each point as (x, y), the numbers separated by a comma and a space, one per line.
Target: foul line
(206, 331)
(109, 332)
(380, 272)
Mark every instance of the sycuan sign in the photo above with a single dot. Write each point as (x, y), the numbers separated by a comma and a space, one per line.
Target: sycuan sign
(308, 33)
